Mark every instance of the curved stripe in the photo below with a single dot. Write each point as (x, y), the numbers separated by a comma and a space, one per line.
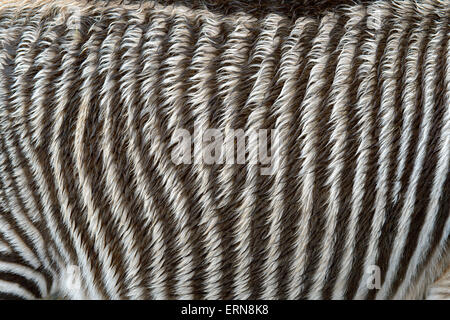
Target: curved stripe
(156, 274)
(339, 117)
(23, 62)
(289, 69)
(198, 96)
(91, 96)
(442, 168)
(18, 213)
(46, 191)
(175, 113)
(114, 184)
(385, 120)
(17, 243)
(5, 248)
(27, 273)
(171, 184)
(270, 40)
(62, 99)
(309, 122)
(15, 289)
(410, 195)
(229, 77)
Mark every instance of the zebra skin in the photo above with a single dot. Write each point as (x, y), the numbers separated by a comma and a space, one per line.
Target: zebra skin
(93, 207)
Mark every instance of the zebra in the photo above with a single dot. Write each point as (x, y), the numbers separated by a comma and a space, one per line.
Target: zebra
(93, 207)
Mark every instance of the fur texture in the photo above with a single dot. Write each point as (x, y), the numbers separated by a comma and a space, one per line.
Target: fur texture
(91, 93)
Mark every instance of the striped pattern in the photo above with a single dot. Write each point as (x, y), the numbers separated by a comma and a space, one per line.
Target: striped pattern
(91, 94)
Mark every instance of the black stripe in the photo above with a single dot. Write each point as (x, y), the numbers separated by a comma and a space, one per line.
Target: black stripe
(24, 282)
(66, 137)
(213, 104)
(386, 244)
(428, 172)
(229, 203)
(265, 182)
(186, 173)
(387, 208)
(349, 168)
(444, 204)
(40, 150)
(321, 190)
(140, 233)
(140, 119)
(10, 296)
(21, 232)
(367, 212)
(259, 226)
(438, 231)
(292, 214)
(407, 172)
(154, 179)
(118, 156)
(27, 284)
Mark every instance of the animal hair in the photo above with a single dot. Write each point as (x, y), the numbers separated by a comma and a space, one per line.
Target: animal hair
(92, 94)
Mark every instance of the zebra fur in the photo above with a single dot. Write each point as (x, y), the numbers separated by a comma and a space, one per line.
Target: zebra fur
(92, 92)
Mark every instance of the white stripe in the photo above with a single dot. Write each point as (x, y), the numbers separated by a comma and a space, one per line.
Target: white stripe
(172, 186)
(339, 124)
(121, 216)
(11, 201)
(20, 217)
(156, 272)
(63, 195)
(229, 78)
(409, 94)
(366, 72)
(32, 157)
(386, 116)
(443, 165)
(421, 150)
(7, 287)
(22, 64)
(439, 260)
(199, 96)
(27, 273)
(310, 107)
(289, 70)
(16, 243)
